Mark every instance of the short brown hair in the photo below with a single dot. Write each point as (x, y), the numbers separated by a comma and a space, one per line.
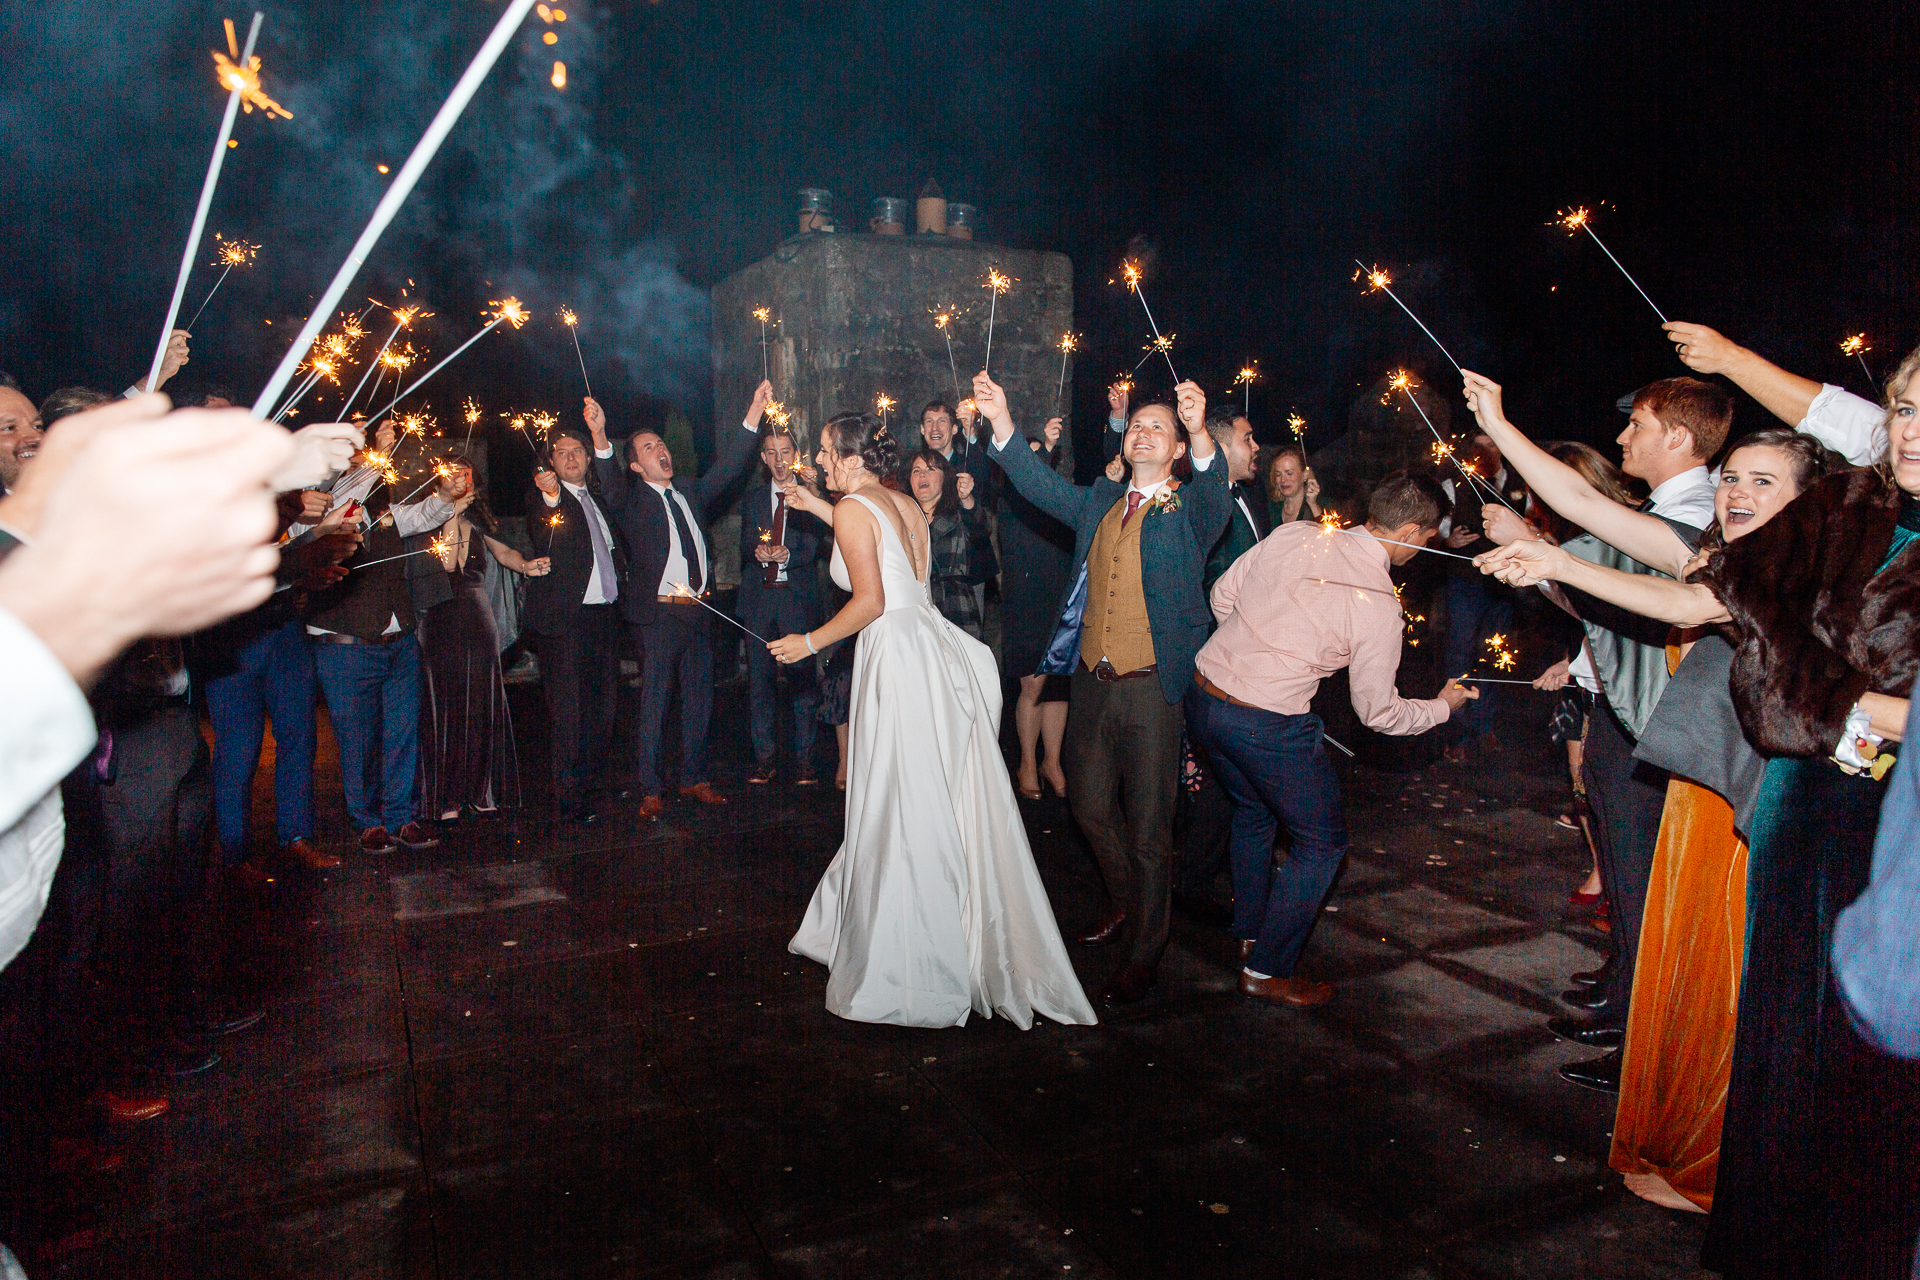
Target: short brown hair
(1404, 498)
(1701, 408)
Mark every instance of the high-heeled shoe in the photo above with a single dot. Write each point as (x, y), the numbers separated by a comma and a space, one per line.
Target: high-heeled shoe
(1059, 788)
(1026, 793)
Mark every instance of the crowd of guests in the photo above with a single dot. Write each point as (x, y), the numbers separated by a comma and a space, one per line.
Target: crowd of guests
(1737, 621)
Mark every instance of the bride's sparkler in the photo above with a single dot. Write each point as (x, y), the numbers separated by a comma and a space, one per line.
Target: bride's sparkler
(1132, 272)
(572, 322)
(682, 589)
(999, 284)
(509, 311)
(1581, 219)
(1379, 281)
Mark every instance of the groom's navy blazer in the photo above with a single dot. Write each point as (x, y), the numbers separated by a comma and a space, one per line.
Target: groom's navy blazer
(1173, 549)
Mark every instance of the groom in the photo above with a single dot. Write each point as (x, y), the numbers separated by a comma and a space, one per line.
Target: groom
(1129, 629)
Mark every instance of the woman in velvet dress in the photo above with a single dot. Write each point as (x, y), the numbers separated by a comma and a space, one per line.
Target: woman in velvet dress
(466, 730)
(1819, 1163)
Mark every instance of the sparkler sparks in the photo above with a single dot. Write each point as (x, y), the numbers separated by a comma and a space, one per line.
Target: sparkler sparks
(999, 283)
(1379, 281)
(234, 253)
(778, 413)
(1069, 341)
(572, 321)
(506, 311)
(244, 79)
(1130, 269)
(1298, 425)
(1577, 220)
(1856, 346)
(1500, 653)
(762, 314)
(1161, 345)
(882, 405)
(509, 310)
(554, 521)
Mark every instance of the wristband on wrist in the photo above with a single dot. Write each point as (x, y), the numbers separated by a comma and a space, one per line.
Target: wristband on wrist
(808, 637)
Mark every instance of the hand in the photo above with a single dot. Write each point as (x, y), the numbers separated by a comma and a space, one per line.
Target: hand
(801, 498)
(1192, 404)
(596, 420)
(992, 403)
(963, 489)
(1117, 399)
(1051, 433)
(539, 567)
(789, 649)
(1702, 349)
(319, 450)
(1313, 488)
(384, 435)
(1522, 564)
(1503, 526)
(1457, 695)
(1462, 537)
(547, 482)
(1555, 676)
(1117, 468)
(1483, 398)
(453, 490)
(320, 578)
(762, 397)
(176, 357)
(314, 505)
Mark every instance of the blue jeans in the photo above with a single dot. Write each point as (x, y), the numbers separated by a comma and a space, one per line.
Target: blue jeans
(272, 680)
(1476, 609)
(1276, 770)
(373, 699)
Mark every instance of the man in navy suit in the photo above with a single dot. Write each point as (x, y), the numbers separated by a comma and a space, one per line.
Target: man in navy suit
(664, 524)
(779, 597)
(1130, 627)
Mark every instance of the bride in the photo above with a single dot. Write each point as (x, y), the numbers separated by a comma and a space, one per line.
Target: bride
(932, 909)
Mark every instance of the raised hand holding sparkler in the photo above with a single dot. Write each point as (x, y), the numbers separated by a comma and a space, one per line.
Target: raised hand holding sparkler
(1581, 219)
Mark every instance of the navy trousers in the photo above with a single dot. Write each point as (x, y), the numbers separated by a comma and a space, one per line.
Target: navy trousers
(774, 614)
(676, 652)
(373, 699)
(1276, 770)
(271, 679)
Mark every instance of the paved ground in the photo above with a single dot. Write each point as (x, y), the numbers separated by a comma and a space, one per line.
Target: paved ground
(547, 1052)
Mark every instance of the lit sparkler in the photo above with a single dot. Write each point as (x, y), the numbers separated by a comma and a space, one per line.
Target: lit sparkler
(572, 321)
(1402, 381)
(778, 413)
(1330, 522)
(943, 321)
(1244, 379)
(1068, 342)
(882, 405)
(1133, 274)
(682, 589)
(402, 318)
(518, 421)
(439, 547)
(1581, 219)
(1162, 345)
(1299, 427)
(1856, 346)
(509, 311)
(1379, 281)
(998, 282)
(762, 314)
(554, 521)
(544, 423)
(230, 254)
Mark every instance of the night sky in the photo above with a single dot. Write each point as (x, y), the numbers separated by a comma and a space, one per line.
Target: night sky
(1755, 167)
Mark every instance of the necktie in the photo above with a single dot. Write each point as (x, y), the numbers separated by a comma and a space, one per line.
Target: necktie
(1134, 499)
(770, 572)
(696, 580)
(602, 557)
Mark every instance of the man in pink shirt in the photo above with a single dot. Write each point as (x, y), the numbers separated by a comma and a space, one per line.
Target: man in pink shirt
(1299, 606)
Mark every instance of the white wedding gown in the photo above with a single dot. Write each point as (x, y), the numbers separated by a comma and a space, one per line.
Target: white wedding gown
(933, 908)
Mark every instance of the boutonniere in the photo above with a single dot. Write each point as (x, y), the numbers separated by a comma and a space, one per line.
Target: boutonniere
(1168, 499)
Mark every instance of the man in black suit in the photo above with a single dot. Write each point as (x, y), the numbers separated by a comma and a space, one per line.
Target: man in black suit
(665, 525)
(573, 613)
(779, 597)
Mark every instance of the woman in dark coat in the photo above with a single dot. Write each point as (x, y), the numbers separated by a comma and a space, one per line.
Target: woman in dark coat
(466, 730)
(1036, 552)
(961, 549)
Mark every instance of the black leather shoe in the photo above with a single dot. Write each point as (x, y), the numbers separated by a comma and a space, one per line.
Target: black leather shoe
(1592, 999)
(1599, 1074)
(1599, 1034)
(1594, 977)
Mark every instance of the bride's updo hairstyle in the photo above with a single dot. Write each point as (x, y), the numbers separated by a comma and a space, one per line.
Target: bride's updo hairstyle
(870, 438)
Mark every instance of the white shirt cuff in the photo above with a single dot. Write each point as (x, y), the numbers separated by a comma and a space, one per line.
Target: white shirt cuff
(1201, 464)
(608, 454)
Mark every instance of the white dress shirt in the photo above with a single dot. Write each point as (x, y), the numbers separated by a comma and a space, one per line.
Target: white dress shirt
(1848, 424)
(423, 516)
(46, 728)
(596, 590)
(773, 513)
(676, 570)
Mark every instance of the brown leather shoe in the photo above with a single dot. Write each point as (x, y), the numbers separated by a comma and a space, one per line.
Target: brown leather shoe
(1301, 993)
(761, 774)
(1246, 948)
(652, 806)
(1129, 985)
(704, 793)
(132, 1107)
(1107, 930)
(300, 850)
(377, 840)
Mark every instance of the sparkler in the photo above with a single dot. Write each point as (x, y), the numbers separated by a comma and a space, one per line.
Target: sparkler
(441, 471)
(396, 195)
(1068, 342)
(882, 405)
(1856, 346)
(231, 254)
(402, 317)
(1131, 270)
(778, 413)
(1244, 379)
(509, 311)
(1379, 281)
(572, 322)
(518, 421)
(472, 412)
(1163, 345)
(763, 315)
(1331, 523)
(1299, 427)
(1581, 219)
(943, 321)
(236, 91)
(1402, 381)
(682, 589)
(554, 521)
(999, 284)
(438, 547)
